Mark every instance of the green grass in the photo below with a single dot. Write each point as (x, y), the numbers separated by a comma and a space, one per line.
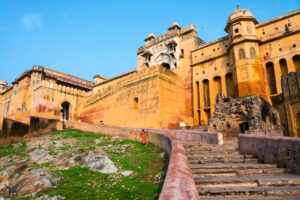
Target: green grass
(83, 183)
(10, 150)
(78, 183)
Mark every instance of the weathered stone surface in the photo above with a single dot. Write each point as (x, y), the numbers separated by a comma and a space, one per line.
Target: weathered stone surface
(126, 173)
(117, 139)
(247, 114)
(4, 161)
(40, 156)
(70, 142)
(32, 182)
(100, 163)
(47, 197)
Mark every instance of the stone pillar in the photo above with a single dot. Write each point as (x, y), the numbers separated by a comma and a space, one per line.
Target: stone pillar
(212, 96)
(224, 87)
(277, 72)
(290, 64)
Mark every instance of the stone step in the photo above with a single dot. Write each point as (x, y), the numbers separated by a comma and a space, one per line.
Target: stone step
(229, 160)
(218, 156)
(225, 172)
(257, 180)
(240, 166)
(249, 192)
(209, 146)
(213, 152)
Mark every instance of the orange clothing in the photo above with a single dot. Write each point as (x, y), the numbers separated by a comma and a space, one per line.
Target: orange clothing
(143, 135)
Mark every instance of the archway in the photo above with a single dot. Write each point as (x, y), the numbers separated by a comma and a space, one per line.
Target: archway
(65, 110)
(283, 66)
(271, 78)
(296, 60)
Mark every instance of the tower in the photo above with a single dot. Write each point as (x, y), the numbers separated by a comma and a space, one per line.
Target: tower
(244, 54)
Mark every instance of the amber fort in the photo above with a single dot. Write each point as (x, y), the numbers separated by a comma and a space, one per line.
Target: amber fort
(226, 112)
(177, 79)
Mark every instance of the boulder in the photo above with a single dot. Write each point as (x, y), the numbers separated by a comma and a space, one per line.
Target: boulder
(100, 163)
(126, 173)
(32, 182)
(40, 156)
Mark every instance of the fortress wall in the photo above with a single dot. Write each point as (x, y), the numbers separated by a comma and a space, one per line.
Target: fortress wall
(159, 95)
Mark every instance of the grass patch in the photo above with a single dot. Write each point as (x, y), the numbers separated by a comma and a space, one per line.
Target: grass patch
(10, 150)
(81, 183)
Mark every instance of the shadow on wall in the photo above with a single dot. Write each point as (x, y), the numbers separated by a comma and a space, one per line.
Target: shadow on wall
(14, 131)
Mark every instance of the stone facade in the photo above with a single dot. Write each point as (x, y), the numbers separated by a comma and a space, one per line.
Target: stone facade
(289, 103)
(250, 60)
(250, 114)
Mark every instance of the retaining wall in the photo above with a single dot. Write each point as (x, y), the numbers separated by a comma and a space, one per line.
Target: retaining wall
(280, 150)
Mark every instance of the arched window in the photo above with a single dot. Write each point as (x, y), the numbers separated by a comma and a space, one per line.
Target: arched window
(229, 85)
(135, 103)
(271, 77)
(252, 52)
(206, 94)
(283, 67)
(241, 54)
(296, 60)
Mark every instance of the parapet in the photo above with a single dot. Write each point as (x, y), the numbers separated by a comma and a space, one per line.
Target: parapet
(168, 35)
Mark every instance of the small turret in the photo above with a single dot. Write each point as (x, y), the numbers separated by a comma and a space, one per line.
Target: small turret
(174, 26)
(98, 79)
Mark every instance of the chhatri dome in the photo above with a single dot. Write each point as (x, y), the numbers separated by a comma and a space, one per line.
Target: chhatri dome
(240, 14)
(149, 37)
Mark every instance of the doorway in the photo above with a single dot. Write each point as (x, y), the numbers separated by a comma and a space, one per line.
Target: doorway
(65, 110)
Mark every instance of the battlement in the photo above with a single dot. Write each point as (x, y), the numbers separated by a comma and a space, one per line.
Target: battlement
(167, 36)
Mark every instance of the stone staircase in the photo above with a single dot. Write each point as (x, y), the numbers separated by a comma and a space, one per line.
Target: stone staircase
(221, 172)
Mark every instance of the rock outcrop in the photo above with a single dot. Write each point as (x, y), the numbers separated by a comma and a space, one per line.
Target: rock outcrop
(248, 114)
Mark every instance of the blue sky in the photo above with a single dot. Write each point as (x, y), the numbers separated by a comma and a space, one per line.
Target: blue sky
(88, 37)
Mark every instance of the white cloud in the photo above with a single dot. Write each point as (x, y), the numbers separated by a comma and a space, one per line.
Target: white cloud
(32, 21)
